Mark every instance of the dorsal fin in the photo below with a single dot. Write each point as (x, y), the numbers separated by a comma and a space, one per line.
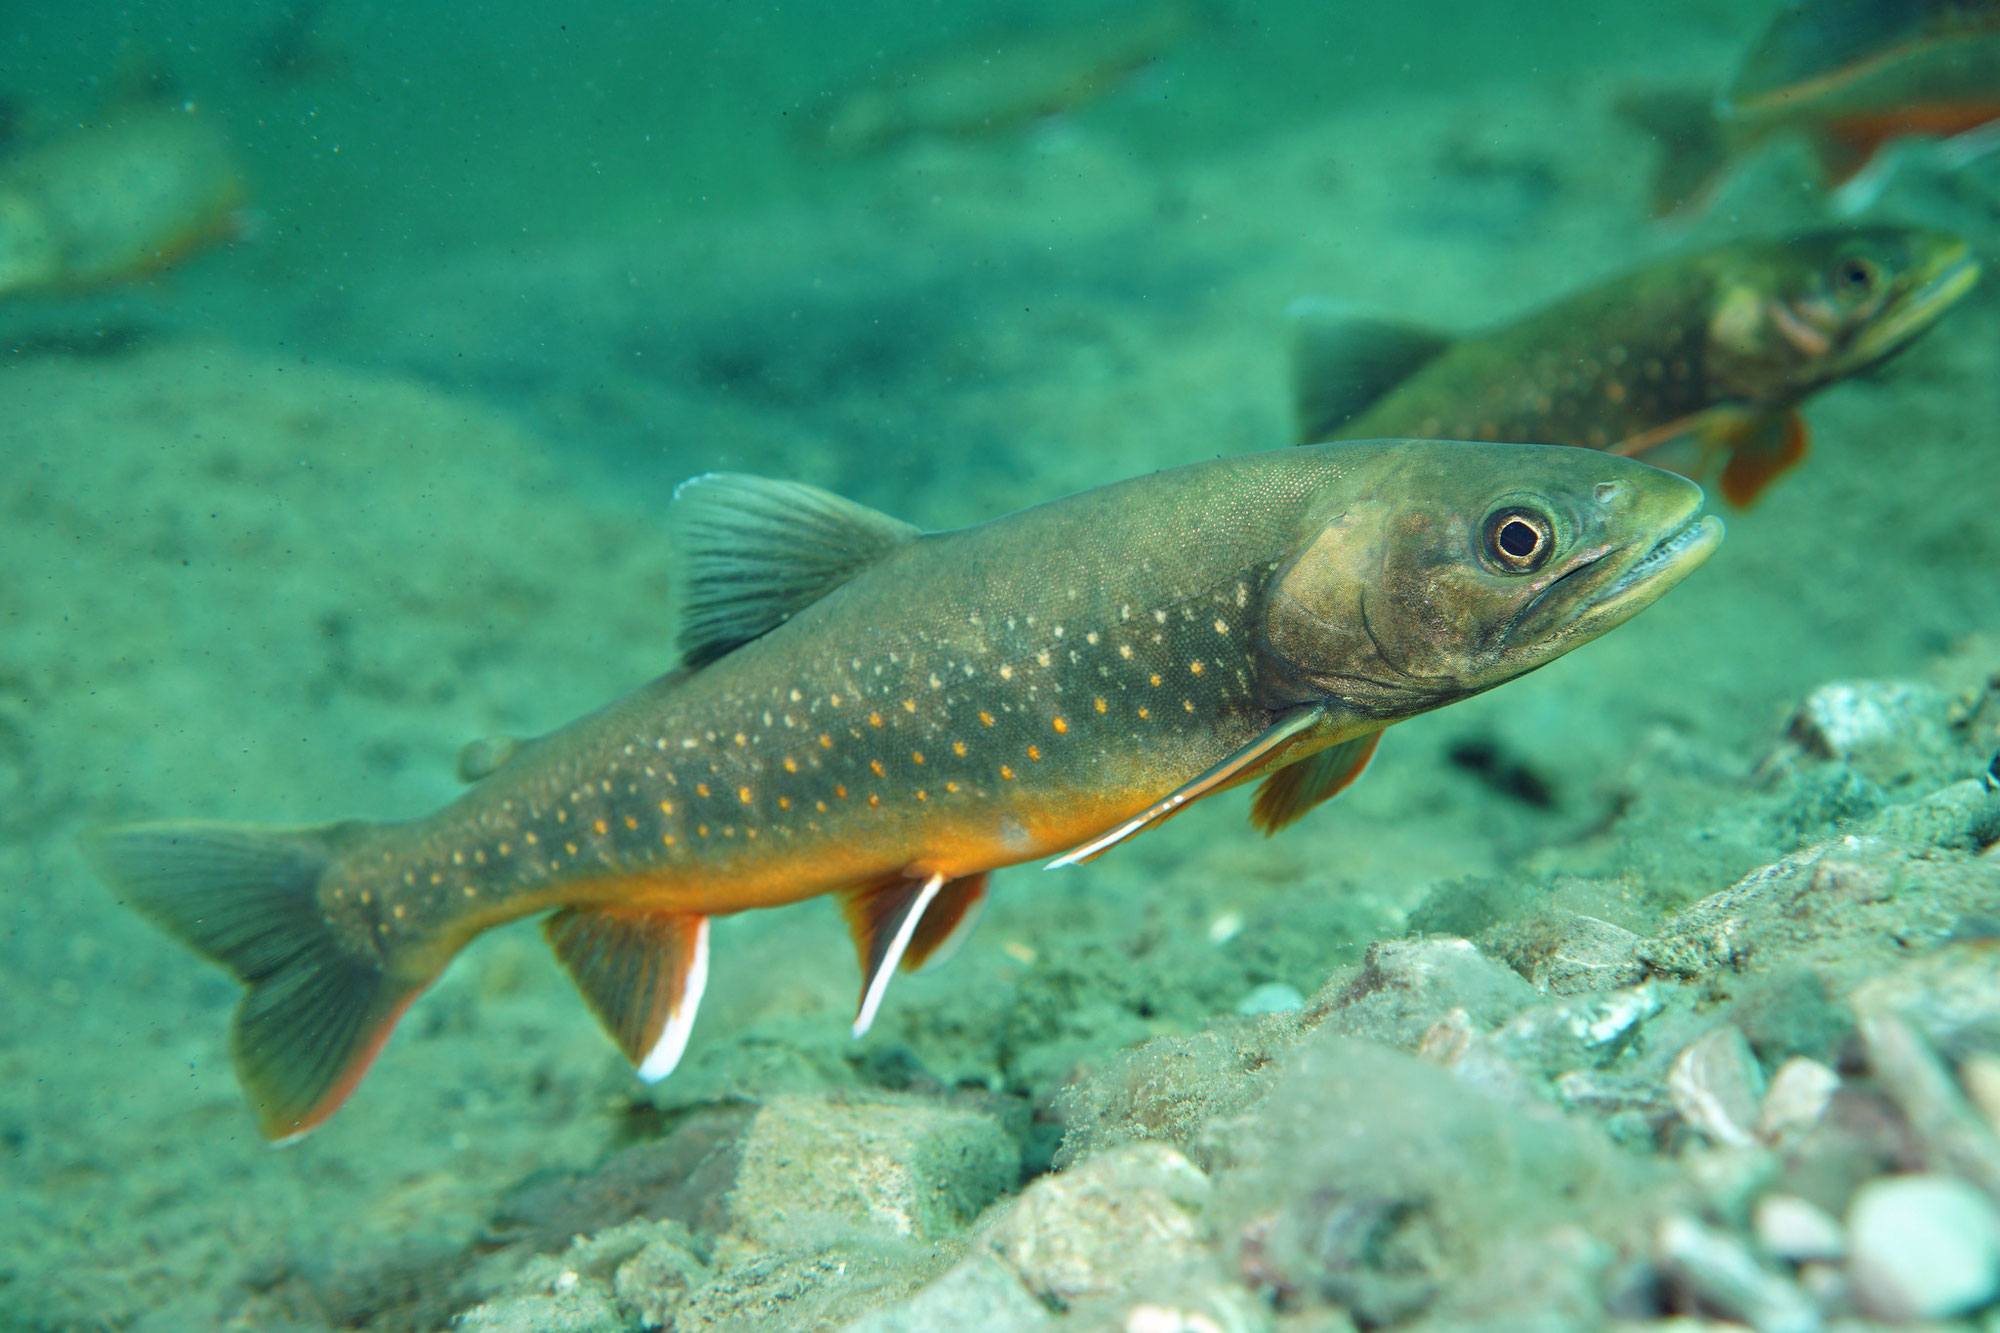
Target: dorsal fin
(1341, 364)
(756, 552)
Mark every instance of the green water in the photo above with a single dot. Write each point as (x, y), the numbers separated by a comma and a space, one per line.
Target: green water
(290, 521)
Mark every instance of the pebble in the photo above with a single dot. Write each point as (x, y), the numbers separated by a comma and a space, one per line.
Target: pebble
(1797, 1099)
(1847, 718)
(1727, 1278)
(1716, 1085)
(1273, 997)
(1923, 1247)
(1590, 955)
(1795, 1230)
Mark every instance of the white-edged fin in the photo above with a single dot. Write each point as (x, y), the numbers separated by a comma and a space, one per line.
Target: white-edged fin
(755, 552)
(1283, 730)
(642, 974)
(883, 919)
(946, 923)
(666, 1052)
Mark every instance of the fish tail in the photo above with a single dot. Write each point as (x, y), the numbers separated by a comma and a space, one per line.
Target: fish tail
(316, 1010)
(1694, 150)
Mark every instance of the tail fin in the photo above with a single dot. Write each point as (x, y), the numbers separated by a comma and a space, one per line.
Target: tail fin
(316, 1011)
(1694, 151)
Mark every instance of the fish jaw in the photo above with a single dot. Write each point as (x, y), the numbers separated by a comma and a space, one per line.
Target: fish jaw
(1605, 592)
(1950, 274)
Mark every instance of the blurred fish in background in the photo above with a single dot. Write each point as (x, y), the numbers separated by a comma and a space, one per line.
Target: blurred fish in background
(1698, 361)
(996, 81)
(1850, 77)
(134, 191)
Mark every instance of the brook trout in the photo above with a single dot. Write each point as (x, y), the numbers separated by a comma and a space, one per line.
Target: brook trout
(1698, 361)
(1850, 77)
(887, 716)
(115, 200)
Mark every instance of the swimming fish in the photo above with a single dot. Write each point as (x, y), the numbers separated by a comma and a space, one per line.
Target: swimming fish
(1695, 360)
(887, 716)
(995, 82)
(116, 199)
(1850, 77)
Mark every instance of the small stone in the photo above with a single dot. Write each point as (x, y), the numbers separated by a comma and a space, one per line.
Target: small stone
(980, 1295)
(1725, 1277)
(1716, 1085)
(1579, 1030)
(1590, 955)
(583, 1308)
(1859, 719)
(1273, 997)
(1980, 1073)
(1948, 1131)
(1799, 1232)
(1923, 1247)
(652, 1283)
(816, 1167)
(1104, 1223)
(1797, 1098)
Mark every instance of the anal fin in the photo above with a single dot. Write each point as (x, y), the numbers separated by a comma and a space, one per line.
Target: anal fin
(945, 924)
(1280, 732)
(1287, 794)
(642, 973)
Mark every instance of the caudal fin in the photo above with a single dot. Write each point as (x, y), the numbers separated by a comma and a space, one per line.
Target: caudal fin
(316, 1011)
(1694, 151)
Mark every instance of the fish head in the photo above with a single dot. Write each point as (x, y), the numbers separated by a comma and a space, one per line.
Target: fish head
(1793, 316)
(1446, 568)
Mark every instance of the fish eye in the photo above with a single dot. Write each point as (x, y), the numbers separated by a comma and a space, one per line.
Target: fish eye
(1518, 541)
(1857, 276)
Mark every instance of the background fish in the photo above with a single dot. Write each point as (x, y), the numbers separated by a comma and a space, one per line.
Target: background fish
(1696, 361)
(132, 193)
(1849, 76)
(996, 81)
(887, 717)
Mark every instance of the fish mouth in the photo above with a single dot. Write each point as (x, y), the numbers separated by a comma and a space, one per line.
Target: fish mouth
(1612, 588)
(1952, 274)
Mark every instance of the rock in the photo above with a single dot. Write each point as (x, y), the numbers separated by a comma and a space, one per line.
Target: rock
(817, 1167)
(1949, 1132)
(1792, 1229)
(980, 1295)
(654, 1282)
(1923, 1247)
(584, 1308)
(1725, 1277)
(1716, 1085)
(1103, 1224)
(1963, 817)
(1589, 955)
(1886, 726)
(1980, 1073)
(1273, 997)
(1405, 986)
(1796, 1101)
(1581, 1030)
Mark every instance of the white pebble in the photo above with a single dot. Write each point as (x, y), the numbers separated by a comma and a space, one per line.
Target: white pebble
(1792, 1229)
(1273, 997)
(1798, 1097)
(1923, 1247)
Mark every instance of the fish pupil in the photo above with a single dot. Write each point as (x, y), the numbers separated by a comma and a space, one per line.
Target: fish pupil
(1519, 539)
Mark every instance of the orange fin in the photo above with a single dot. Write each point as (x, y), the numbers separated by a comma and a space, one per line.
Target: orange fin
(950, 918)
(642, 974)
(1760, 452)
(883, 918)
(315, 1015)
(1296, 788)
(1287, 727)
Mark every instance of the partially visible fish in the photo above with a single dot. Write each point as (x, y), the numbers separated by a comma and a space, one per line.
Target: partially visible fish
(886, 716)
(1697, 363)
(995, 82)
(116, 199)
(1850, 77)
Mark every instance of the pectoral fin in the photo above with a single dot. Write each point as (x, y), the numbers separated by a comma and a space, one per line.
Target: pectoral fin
(1288, 726)
(1296, 788)
(1761, 450)
(641, 972)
